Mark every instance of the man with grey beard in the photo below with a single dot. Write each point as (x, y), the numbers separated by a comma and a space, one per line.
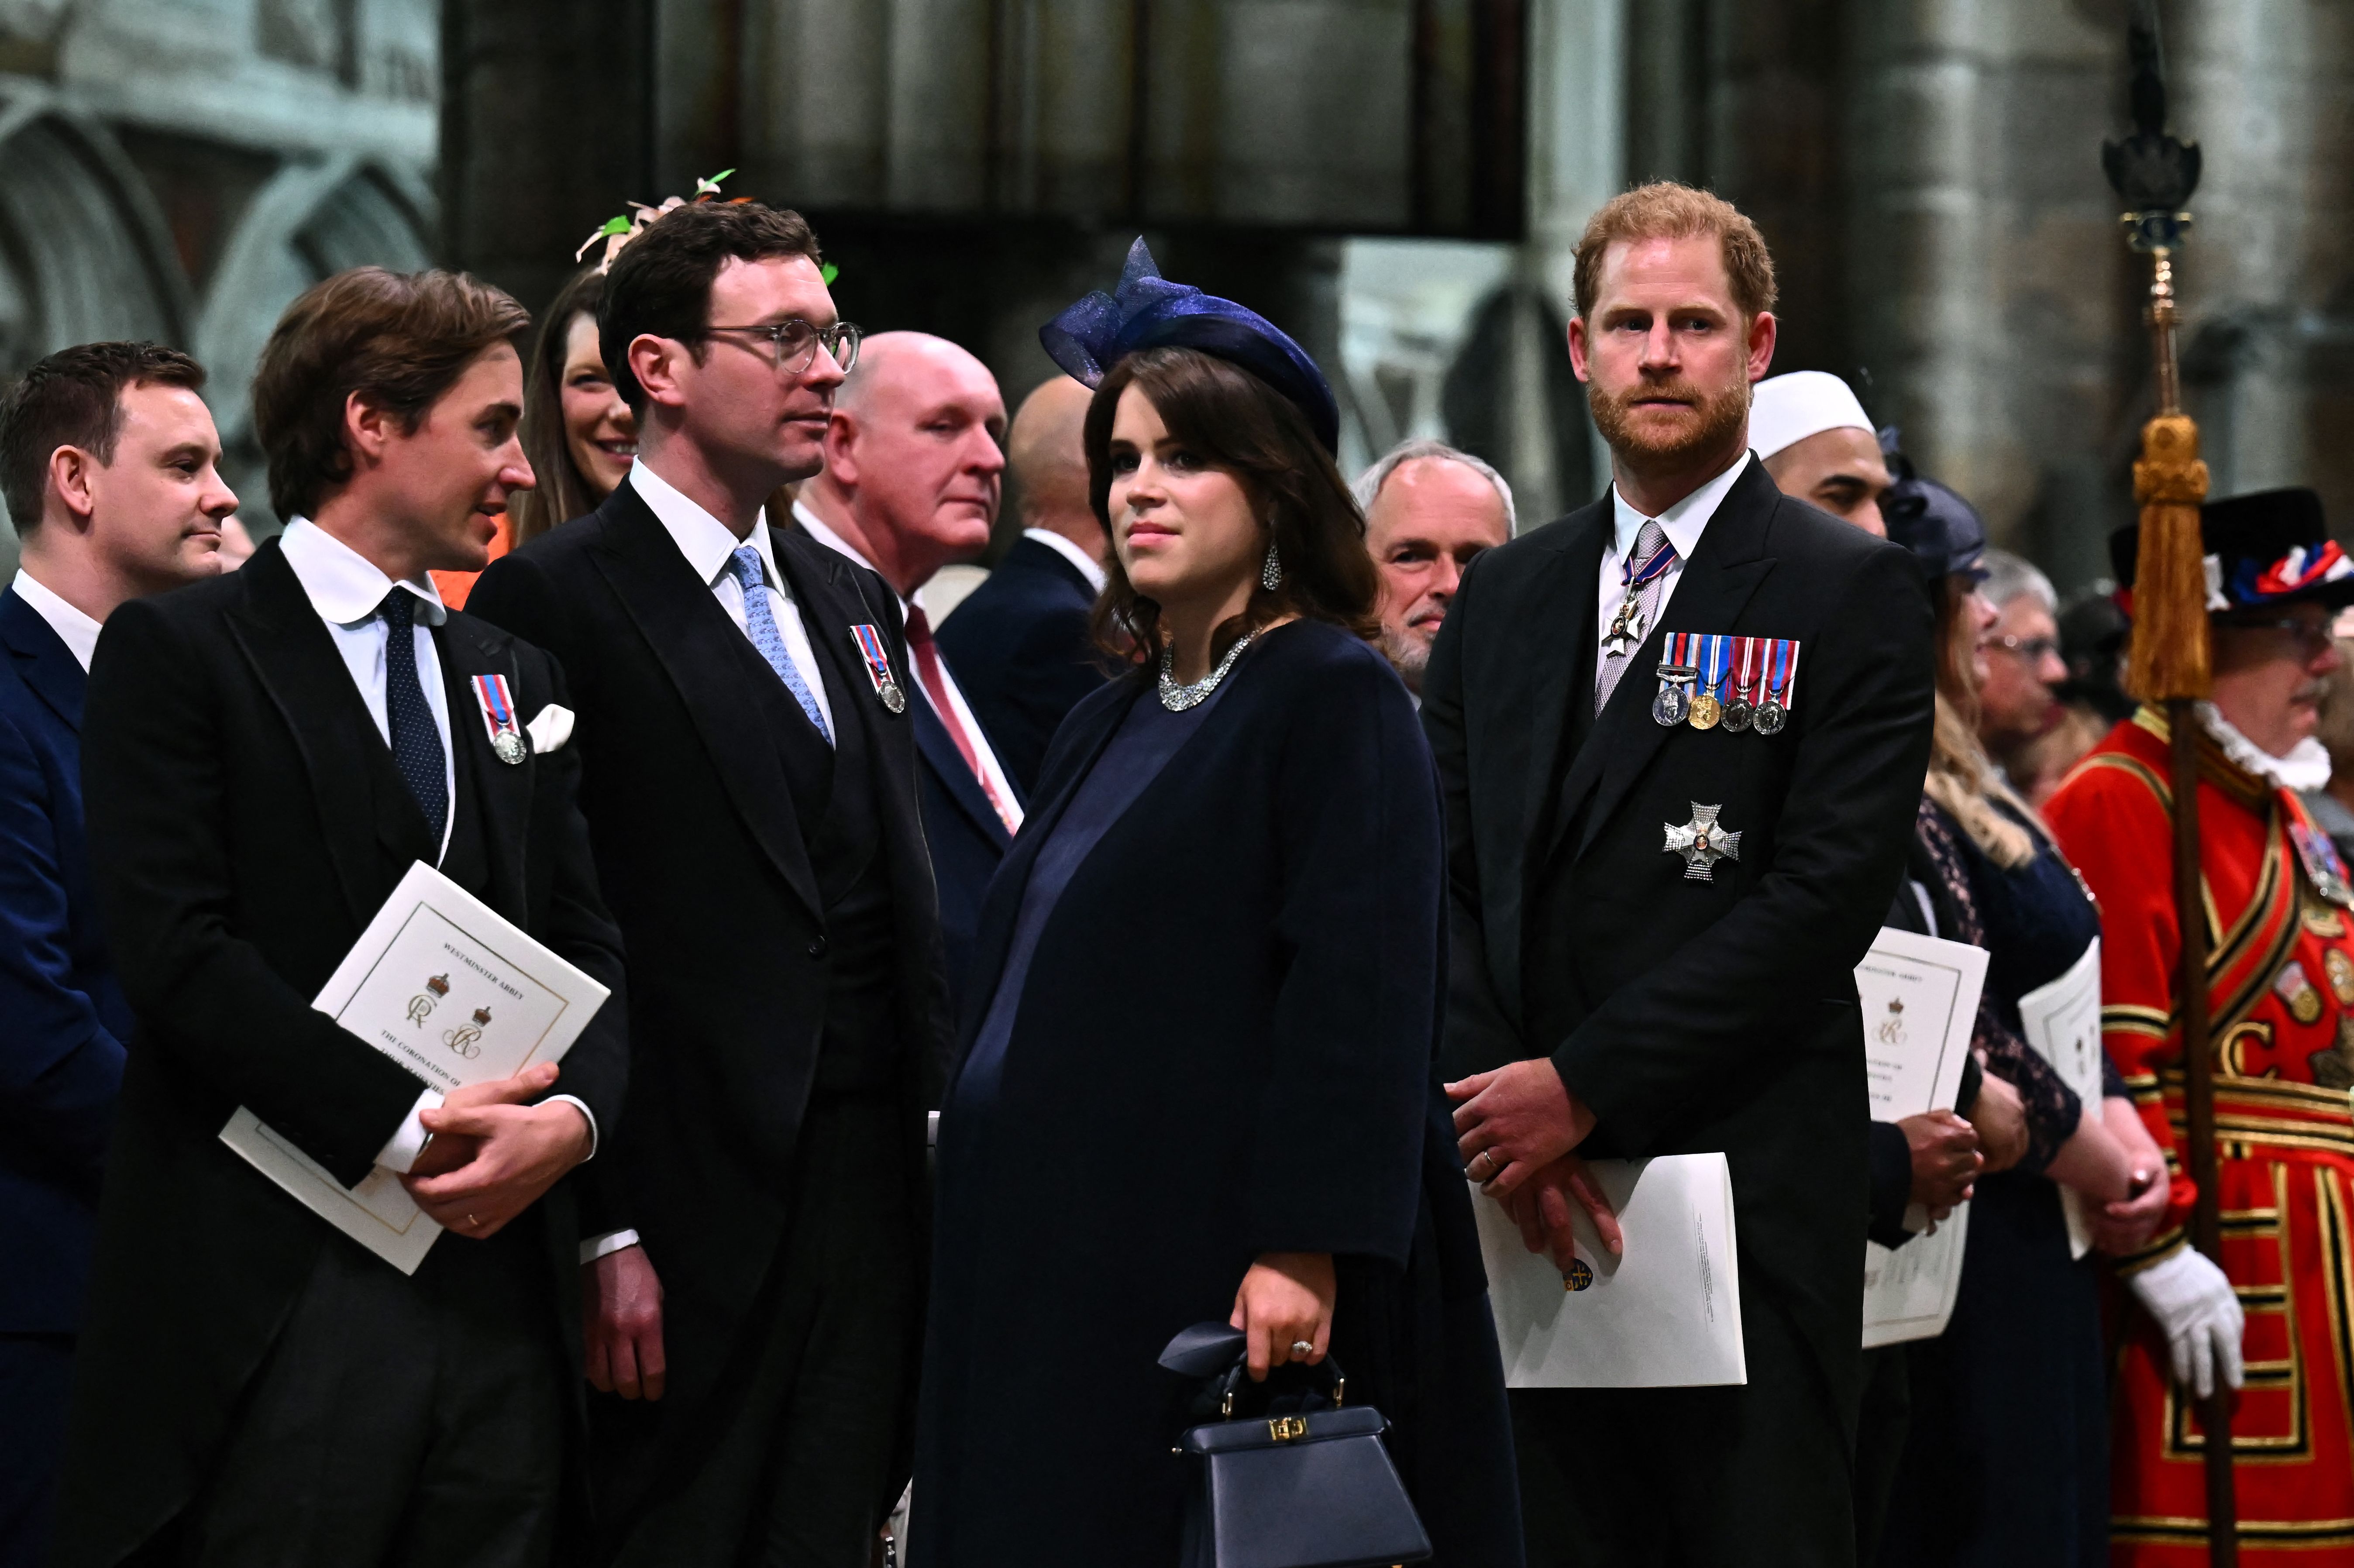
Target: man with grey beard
(1429, 509)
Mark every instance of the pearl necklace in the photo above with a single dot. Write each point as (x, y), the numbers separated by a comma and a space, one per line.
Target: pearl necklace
(1177, 698)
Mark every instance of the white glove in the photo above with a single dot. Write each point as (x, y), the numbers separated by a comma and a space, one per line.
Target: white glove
(2199, 1312)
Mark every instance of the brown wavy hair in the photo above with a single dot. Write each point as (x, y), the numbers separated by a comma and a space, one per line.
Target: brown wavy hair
(399, 339)
(562, 493)
(1237, 423)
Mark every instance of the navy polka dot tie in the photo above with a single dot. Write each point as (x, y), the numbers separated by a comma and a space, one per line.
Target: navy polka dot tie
(416, 744)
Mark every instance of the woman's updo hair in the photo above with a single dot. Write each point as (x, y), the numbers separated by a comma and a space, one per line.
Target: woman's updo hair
(1237, 423)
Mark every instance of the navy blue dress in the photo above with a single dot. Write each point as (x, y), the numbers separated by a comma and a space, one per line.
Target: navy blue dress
(1202, 1028)
(2007, 1459)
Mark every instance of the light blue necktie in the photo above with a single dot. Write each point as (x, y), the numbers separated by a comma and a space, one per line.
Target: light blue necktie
(762, 625)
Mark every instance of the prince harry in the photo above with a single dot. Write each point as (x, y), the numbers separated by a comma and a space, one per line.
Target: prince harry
(1664, 870)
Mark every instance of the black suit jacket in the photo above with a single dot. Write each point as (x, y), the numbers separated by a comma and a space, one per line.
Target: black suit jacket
(1692, 1016)
(705, 863)
(1022, 654)
(243, 806)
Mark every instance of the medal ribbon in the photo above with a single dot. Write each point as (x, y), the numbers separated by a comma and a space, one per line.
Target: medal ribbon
(1717, 656)
(1748, 651)
(878, 658)
(1788, 686)
(498, 708)
(1636, 577)
(1782, 672)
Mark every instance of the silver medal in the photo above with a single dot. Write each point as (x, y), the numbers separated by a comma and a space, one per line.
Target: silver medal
(509, 747)
(893, 697)
(1770, 718)
(1672, 705)
(1702, 843)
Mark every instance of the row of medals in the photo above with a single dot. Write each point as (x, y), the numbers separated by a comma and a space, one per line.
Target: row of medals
(1675, 706)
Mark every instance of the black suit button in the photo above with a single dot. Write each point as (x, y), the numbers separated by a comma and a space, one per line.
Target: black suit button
(817, 947)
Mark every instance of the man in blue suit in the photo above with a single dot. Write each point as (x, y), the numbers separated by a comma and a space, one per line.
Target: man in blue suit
(1021, 640)
(108, 459)
(911, 483)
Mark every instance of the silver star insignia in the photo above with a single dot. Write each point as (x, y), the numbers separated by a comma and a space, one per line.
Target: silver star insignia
(1625, 633)
(1702, 843)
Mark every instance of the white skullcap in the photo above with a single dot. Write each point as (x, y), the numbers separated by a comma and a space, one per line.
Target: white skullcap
(1786, 410)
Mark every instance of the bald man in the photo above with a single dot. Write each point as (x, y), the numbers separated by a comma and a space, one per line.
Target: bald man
(1019, 642)
(1817, 445)
(911, 483)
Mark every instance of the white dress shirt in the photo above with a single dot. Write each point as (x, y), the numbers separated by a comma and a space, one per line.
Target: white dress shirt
(999, 784)
(1096, 576)
(77, 630)
(1683, 523)
(346, 589)
(710, 546)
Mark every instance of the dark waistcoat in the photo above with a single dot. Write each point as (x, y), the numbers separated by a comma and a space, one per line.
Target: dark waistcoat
(834, 789)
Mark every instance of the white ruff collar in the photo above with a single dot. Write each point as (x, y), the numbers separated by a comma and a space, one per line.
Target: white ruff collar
(2306, 766)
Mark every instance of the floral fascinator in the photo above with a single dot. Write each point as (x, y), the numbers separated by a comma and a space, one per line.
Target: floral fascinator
(617, 232)
(1147, 310)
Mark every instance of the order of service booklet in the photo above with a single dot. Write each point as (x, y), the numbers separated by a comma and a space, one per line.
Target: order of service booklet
(2062, 1022)
(1666, 1314)
(1919, 997)
(452, 990)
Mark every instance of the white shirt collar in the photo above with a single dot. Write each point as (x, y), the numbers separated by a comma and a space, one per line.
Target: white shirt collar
(1682, 522)
(2306, 766)
(78, 631)
(1096, 576)
(343, 585)
(708, 544)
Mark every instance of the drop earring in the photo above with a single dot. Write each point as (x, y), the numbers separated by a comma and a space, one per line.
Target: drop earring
(1270, 576)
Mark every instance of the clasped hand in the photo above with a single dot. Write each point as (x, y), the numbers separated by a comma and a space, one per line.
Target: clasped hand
(493, 1153)
(1515, 1128)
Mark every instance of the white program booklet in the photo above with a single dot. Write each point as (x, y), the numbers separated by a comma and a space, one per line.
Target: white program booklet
(2063, 1022)
(1920, 1000)
(446, 986)
(1665, 1314)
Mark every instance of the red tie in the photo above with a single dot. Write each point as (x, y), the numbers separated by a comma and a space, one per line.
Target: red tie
(935, 681)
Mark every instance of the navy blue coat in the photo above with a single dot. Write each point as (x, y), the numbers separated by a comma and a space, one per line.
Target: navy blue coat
(1021, 653)
(62, 1017)
(1225, 1047)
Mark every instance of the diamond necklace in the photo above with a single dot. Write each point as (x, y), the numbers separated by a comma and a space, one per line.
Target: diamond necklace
(1177, 698)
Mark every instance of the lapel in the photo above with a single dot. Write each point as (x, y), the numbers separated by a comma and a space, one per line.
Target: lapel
(502, 790)
(42, 659)
(295, 658)
(689, 634)
(824, 585)
(945, 758)
(1568, 578)
(1715, 586)
(1003, 898)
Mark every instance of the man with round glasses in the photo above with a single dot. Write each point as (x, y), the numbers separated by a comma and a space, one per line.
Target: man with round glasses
(2017, 703)
(752, 1261)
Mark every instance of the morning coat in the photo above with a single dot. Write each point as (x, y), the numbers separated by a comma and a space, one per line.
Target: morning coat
(706, 864)
(1693, 1015)
(246, 822)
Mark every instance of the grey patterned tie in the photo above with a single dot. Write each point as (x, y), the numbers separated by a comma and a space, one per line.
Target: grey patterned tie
(1613, 660)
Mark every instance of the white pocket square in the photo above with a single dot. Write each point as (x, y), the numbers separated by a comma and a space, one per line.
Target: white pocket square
(551, 729)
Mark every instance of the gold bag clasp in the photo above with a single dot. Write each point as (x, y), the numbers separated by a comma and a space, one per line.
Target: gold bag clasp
(1284, 1428)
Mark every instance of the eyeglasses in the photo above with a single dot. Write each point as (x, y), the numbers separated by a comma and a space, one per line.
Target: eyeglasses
(2033, 649)
(2312, 636)
(793, 344)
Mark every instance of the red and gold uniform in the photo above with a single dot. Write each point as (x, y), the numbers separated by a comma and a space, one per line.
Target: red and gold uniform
(2281, 995)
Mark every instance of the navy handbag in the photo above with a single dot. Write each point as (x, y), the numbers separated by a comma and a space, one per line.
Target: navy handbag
(1286, 1475)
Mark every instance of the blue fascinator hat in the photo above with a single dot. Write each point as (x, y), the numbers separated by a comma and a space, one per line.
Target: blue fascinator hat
(1147, 310)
